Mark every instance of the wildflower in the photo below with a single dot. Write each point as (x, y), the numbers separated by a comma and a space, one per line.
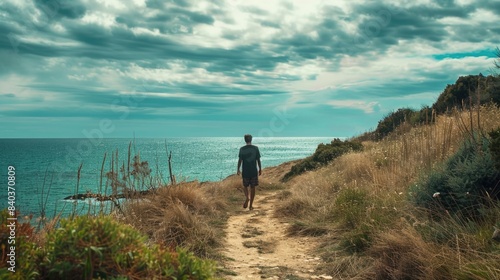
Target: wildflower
(436, 194)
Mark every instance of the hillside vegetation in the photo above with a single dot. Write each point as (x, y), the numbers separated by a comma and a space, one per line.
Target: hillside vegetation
(467, 92)
(415, 199)
(324, 154)
(418, 202)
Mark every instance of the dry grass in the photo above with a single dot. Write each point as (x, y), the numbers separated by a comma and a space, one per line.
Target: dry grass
(358, 205)
(402, 254)
(191, 215)
(44, 227)
(304, 228)
(388, 167)
(361, 199)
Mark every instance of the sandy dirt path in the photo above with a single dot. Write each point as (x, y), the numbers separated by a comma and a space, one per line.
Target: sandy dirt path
(258, 247)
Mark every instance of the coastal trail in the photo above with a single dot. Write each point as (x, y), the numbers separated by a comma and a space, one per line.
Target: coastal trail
(258, 247)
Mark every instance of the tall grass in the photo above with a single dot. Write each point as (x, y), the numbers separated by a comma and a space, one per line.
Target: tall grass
(192, 215)
(357, 204)
(361, 201)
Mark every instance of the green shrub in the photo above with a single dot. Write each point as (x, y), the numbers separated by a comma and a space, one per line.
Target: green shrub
(423, 116)
(26, 252)
(357, 240)
(464, 91)
(101, 247)
(464, 184)
(304, 165)
(324, 154)
(350, 211)
(350, 208)
(456, 94)
(391, 121)
(495, 147)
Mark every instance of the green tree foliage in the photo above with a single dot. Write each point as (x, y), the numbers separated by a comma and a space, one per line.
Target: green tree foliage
(464, 184)
(466, 91)
(391, 121)
(423, 116)
(324, 154)
(472, 89)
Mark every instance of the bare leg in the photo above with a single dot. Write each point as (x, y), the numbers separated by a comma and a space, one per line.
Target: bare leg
(245, 190)
(252, 196)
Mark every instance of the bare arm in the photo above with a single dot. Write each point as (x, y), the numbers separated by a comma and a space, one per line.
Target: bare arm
(239, 165)
(260, 166)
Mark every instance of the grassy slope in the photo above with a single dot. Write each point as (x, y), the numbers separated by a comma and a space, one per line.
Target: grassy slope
(359, 205)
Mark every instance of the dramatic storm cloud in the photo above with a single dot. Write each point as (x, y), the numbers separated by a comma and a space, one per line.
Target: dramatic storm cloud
(225, 68)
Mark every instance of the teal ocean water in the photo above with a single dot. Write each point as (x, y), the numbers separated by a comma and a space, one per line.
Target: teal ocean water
(47, 169)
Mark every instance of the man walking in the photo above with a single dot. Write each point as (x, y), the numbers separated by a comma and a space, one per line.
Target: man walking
(249, 157)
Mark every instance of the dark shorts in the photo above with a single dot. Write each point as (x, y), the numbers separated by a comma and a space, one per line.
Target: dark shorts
(252, 182)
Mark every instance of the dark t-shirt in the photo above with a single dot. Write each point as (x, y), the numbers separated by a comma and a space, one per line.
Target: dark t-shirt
(249, 154)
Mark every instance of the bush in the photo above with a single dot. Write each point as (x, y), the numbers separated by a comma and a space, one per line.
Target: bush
(350, 212)
(357, 240)
(25, 251)
(495, 147)
(423, 116)
(102, 248)
(350, 208)
(324, 154)
(464, 91)
(464, 184)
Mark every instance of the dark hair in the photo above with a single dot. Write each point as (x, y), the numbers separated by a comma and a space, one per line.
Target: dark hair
(248, 138)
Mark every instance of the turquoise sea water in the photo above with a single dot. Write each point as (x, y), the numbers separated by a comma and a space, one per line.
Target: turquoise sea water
(48, 168)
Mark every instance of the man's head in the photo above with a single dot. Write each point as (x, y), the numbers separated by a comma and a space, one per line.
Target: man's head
(248, 138)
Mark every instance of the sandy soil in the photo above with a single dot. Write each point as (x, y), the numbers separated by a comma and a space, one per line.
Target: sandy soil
(258, 246)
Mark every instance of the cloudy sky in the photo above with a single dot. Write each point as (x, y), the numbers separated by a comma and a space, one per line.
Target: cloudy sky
(151, 68)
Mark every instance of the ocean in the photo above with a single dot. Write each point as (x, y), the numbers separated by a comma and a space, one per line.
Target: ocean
(46, 170)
